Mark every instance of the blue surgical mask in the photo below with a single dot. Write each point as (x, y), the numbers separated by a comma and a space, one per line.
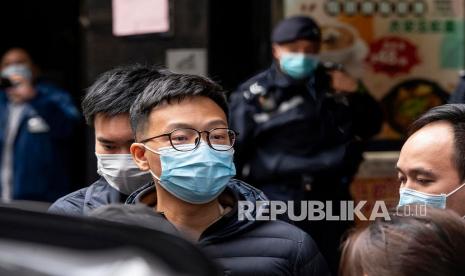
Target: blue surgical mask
(298, 66)
(197, 176)
(410, 196)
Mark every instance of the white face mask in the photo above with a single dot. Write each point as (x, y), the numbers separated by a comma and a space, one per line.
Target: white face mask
(120, 171)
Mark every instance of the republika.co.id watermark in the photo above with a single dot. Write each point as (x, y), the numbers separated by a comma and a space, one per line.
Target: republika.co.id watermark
(321, 210)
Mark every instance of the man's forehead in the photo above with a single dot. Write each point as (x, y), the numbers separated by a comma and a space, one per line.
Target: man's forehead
(117, 126)
(186, 109)
(300, 43)
(433, 144)
(105, 118)
(16, 56)
(432, 136)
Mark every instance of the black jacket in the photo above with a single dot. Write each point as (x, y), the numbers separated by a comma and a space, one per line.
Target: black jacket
(245, 247)
(82, 201)
(288, 128)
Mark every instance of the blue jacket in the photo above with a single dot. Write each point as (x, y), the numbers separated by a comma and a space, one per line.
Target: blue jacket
(83, 201)
(39, 155)
(288, 129)
(250, 247)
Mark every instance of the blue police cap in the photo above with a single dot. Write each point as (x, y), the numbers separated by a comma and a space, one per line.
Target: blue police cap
(294, 28)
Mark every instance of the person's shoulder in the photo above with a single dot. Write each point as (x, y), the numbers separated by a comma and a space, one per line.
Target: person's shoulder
(70, 204)
(283, 230)
(278, 229)
(49, 86)
(101, 185)
(258, 78)
(302, 249)
(73, 203)
(50, 90)
(256, 85)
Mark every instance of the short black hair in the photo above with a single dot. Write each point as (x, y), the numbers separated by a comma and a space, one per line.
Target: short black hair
(173, 87)
(455, 115)
(115, 90)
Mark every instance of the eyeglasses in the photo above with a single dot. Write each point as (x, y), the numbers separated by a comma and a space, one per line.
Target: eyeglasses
(188, 139)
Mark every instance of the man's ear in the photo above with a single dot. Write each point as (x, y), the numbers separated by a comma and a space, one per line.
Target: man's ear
(138, 154)
(275, 51)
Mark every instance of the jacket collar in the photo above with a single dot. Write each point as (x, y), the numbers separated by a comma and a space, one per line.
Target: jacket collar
(229, 224)
(100, 193)
(281, 80)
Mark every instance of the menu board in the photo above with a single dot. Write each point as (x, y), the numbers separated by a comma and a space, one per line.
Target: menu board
(407, 52)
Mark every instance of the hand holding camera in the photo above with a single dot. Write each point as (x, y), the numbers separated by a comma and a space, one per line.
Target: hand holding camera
(17, 81)
(341, 82)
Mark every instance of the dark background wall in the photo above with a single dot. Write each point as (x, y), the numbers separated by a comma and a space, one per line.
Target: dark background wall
(239, 39)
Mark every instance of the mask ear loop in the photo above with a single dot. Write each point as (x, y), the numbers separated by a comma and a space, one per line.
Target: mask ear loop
(458, 188)
(155, 152)
(150, 149)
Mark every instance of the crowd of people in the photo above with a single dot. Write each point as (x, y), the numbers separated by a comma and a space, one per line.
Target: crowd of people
(187, 152)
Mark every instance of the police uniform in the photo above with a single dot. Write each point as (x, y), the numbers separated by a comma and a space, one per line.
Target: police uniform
(298, 139)
(296, 133)
(293, 135)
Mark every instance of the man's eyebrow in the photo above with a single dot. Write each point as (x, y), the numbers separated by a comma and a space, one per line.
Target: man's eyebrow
(106, 141)
(216, 123)
(173, 126)
(422, 171)
(418, 171)
(211, 124)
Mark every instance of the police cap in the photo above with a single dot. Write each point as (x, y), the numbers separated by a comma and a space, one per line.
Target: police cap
(294, 28)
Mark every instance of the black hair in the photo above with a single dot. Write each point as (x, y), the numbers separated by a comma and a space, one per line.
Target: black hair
(115, 90)
(455, 115)
(173, 87)
(428, 241)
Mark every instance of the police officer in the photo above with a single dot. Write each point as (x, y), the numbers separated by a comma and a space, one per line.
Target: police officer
(301, 126)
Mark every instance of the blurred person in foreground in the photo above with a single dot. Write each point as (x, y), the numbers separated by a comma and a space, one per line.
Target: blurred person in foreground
(183, 139)
(106, 108)
(37, 121)
(427, 243)
(431, 165)
(303, 127)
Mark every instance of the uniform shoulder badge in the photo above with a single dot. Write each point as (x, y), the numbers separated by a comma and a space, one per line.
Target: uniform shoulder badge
(254, 90)
(257, 89)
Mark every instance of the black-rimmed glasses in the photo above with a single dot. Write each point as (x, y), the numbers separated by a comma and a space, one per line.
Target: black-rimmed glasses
(188, 139)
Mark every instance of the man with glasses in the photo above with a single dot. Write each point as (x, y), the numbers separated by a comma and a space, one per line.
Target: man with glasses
(182, 138)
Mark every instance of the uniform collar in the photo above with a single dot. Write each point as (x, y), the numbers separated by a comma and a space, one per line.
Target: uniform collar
(282, 80)
(279, 78)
